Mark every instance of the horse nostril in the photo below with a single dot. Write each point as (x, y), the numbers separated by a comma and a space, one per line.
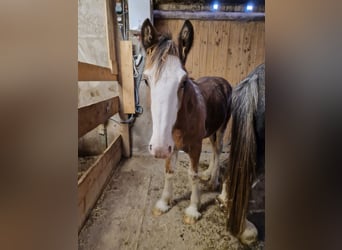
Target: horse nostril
(170, 148)
(150, 146)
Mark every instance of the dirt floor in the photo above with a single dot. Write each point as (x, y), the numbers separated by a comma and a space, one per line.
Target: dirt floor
(122, 217)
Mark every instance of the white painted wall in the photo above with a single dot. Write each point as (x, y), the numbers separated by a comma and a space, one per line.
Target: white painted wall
(138, 10)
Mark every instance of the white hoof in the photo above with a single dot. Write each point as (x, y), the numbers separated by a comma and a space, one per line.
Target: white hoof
(250, 234)
(160, 208)
(191, 215)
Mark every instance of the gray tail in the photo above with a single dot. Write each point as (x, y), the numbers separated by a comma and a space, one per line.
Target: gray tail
(242, 159)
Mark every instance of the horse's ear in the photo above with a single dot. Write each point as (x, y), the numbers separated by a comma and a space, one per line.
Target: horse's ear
(149, 34)
(185, 39)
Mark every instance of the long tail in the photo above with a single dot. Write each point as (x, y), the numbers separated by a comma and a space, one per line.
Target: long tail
(243, 151)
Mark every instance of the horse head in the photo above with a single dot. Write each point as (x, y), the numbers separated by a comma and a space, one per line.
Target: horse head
(166, 76)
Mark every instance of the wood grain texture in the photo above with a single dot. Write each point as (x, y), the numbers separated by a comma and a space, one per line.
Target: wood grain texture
(210, 15)
(91, 72)
(92, 182)
(90, 116)
(230, 49)
(127, 81)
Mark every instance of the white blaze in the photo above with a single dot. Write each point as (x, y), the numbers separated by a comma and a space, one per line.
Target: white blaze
(164, 104)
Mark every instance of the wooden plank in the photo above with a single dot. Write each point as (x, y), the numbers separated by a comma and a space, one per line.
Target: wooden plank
(241, 58)
(125, 128)
(224, 49)
(111, 36)
(89, 117)
(210, 15)
(208, 70)
(91, 72)
(194, 51)
(217, 65)
(229, 59)
(247, 48)
(260, 52)
(126, 140)
(92, 182)
(203, 37)
(254, 36)
(127, 81)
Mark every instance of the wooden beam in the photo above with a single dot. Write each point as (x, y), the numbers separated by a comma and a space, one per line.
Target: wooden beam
(127, 81)
(125, 88)
(112, 33)
(92, 182)
(210, 15)
(89, 117)
(91, 72)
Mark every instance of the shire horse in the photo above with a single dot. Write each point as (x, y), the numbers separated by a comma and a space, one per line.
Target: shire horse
(184, 112)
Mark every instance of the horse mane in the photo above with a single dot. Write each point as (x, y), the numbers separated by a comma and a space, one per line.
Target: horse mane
(157, 53)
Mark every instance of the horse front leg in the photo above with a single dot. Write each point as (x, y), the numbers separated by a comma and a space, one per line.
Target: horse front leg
(165, 202)
(191, 212)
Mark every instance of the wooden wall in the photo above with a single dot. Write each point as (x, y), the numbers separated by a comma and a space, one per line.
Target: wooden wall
(230, 49)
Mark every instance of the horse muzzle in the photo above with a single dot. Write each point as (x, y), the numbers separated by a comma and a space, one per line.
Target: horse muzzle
(160, 152)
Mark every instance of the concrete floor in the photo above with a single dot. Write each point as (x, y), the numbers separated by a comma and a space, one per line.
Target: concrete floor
(122, 218)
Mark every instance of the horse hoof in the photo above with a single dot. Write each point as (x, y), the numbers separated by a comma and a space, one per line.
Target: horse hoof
(189, 220)
(157, 212)
(191, 215)
(161, 207)
(249, 235)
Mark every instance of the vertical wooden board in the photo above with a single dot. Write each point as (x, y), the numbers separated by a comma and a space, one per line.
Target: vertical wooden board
(126, 66)
(91, 184)
(240, 57)
(203, 38)
(260, 54)
(212, 38)
(126, 140)
(228, 53)
(224, 50)
(249, 49)
(209, 70)
(253, 46)
(111, 36)
(195, 51)
(245, 50)
(232, 52)
(219, 53)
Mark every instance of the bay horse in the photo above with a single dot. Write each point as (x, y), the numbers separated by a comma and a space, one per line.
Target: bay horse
(184, 112)
(247, 153)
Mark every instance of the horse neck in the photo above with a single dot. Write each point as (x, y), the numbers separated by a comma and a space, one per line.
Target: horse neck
(192, 113)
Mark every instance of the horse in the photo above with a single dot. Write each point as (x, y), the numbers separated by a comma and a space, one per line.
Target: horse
(247, 152)
(184, 112)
